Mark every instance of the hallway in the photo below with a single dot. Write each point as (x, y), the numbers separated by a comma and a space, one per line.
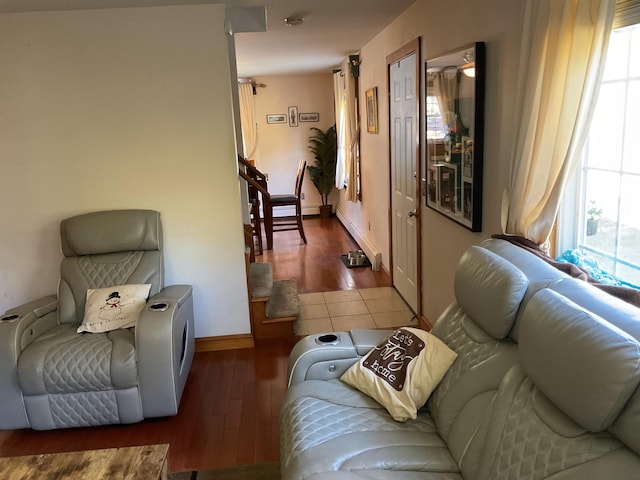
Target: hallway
(316, 266)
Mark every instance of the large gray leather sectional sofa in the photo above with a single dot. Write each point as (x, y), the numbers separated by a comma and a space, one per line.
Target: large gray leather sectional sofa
(545, 386)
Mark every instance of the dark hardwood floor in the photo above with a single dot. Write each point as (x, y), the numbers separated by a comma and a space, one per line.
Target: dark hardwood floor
(316, 266)
(229, 411)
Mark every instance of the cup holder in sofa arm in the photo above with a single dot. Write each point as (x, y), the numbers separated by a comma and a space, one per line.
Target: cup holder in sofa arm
(158, 307)
(321, 356)
(9, 318)
(328, 339)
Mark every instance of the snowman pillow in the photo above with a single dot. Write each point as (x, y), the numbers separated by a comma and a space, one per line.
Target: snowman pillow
(113, 307)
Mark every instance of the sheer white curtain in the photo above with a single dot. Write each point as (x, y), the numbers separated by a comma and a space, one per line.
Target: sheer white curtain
(338, 96)
(564, 45)
(347, 130)
(446, 88)
(248, 119)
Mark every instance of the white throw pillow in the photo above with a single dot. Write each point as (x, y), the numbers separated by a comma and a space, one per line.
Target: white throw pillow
(115, 307)
(402, 371)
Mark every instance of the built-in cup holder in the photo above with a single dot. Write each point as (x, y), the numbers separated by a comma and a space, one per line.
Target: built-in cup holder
(327, 339)
(158, 307)
(8, 318)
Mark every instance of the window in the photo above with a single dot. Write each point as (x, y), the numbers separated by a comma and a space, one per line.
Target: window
(606, 210)
(435, 130)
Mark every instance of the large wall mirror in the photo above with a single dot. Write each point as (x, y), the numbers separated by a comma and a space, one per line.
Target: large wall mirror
(454, 133)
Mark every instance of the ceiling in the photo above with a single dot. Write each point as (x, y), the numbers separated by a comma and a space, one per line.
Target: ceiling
(332, 29)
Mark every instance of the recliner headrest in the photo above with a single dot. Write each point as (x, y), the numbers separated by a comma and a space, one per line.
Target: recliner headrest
(111, 231)
(587, 367)
(490, 290)
(614, 310)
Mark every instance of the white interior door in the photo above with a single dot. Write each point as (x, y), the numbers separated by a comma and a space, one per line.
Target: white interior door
(404, 204)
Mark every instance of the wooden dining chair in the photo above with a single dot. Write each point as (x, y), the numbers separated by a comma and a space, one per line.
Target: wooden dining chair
(282, 224)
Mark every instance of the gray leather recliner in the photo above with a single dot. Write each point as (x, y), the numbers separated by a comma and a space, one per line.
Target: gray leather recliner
(53, 377)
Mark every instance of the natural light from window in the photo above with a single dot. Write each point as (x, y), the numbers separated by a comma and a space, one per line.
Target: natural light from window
(609, 189)
(435, 130)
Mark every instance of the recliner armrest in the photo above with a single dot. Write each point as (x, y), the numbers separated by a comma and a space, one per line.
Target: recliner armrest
(19, 326)
(164, 348)
(177, 294)
(327, 356)
(366, 340)
(39, 307)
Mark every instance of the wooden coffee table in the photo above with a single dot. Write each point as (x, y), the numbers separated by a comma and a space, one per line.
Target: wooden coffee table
(144, 462)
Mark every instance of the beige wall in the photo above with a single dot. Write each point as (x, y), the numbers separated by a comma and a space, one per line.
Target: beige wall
(443, 27)
(280, 146)
(122, 108)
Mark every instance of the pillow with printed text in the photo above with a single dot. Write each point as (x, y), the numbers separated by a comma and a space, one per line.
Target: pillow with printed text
(402, 371)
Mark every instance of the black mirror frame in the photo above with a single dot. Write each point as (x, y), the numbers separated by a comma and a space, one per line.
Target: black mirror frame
(459, 213)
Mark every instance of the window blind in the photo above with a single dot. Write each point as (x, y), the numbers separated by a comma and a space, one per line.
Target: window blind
(627, 13)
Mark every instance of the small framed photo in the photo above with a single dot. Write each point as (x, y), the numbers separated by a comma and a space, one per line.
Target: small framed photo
(371, 96)
(447, 187)
(293, 116)
(432, 186)
(467, 157)
(276, 118)
(467, 205)
(309, 117)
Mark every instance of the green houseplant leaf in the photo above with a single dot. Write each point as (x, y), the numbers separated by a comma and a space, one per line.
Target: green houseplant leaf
(324, 146)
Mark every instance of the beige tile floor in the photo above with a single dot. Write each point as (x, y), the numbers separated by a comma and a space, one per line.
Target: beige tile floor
(344, 310)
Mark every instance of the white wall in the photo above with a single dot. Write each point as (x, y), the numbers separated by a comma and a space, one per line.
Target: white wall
(443, 27)
(122, 108)
(280, 146)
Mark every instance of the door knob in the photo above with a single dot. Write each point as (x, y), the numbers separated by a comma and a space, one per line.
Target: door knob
(412, 213)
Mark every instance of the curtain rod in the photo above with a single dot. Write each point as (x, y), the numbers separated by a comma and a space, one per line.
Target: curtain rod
(252, 82)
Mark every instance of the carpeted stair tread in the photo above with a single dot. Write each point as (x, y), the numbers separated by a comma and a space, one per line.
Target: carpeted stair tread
(284, 300)
(261, 279)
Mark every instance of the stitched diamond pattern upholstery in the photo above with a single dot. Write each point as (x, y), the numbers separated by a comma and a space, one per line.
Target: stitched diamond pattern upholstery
(67, 362)
(100, 275)
(482, 361)
(78, 366)
(315, 419)
(529, 449)
(470, 353)
(84, 409)
(78, 274)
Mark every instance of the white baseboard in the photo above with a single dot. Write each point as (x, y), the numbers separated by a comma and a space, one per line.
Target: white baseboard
(370, 249)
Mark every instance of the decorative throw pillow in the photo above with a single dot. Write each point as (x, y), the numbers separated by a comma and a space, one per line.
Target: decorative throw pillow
(402, 371)
(114, 307)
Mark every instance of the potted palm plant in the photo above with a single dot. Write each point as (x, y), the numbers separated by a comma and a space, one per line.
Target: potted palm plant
(324, 146)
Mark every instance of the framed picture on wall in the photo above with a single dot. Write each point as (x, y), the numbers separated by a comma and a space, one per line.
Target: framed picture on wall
(276, 118)
(309, 117)
(467, 203)
(447, 187)
(371, 96)
(293, 116)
